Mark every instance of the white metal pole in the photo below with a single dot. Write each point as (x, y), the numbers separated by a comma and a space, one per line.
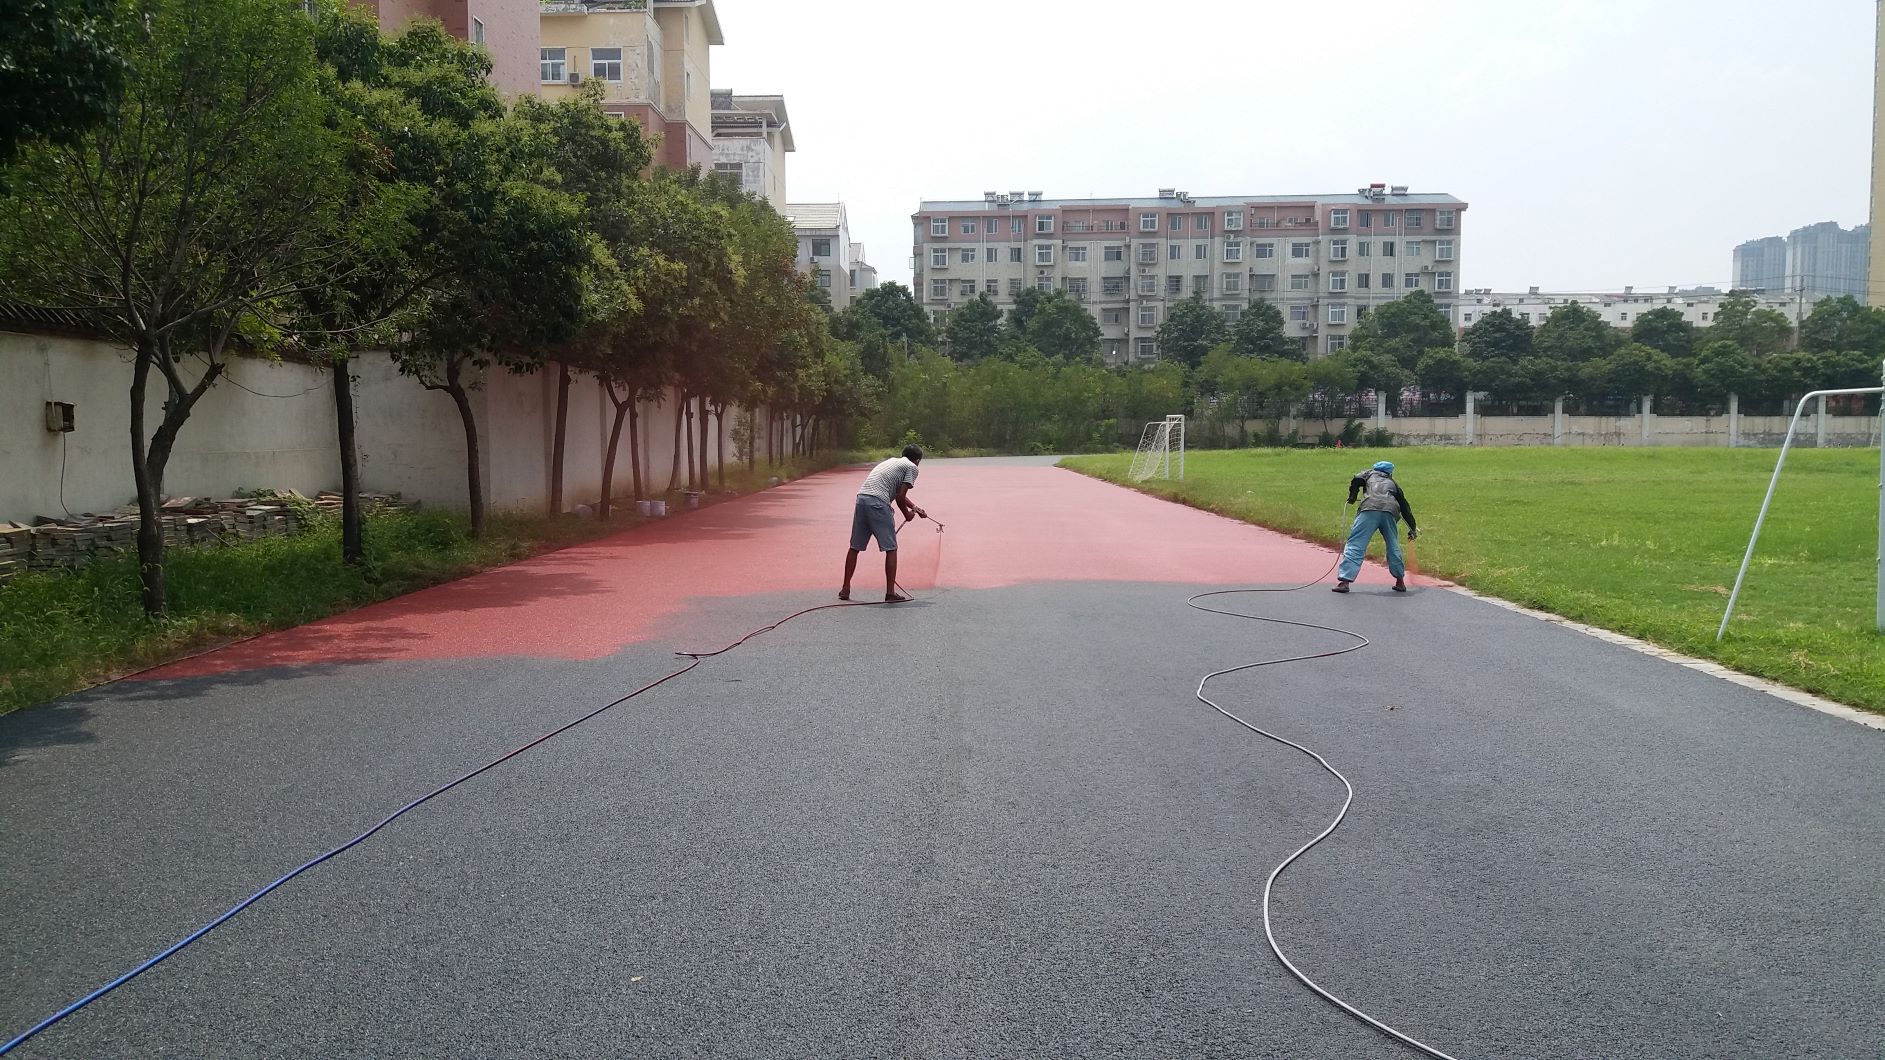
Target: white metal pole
(1879, 617)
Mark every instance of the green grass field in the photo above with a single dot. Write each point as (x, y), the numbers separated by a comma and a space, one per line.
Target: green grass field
(1641, 541)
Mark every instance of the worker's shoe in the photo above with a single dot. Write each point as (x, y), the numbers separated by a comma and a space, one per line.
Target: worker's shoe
(1341, 586)
(1400, 585)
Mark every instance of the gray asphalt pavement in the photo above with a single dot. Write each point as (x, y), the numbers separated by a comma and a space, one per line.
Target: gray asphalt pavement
(991, 823)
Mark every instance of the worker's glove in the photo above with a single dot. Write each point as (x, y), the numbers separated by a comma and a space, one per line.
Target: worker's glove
(1412, 534)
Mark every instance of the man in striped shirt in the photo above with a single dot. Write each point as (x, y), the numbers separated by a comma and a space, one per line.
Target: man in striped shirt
(888, 483)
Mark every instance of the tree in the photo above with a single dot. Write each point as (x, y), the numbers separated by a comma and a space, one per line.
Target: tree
(1843, 324)
(1061, 327)
(1444, 370)
(1665, 328)
(1497, 336)
(1637, 369)
(1404, 329)
(1723, 368)
(1760, 331)
(62, 66)
(185, 222)
(896, 310)
(1259, 333)
(1575, 334)
(974, 330)
(1191, 329)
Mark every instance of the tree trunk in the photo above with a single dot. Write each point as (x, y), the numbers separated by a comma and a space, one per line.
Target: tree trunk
(556, 443)
(687, 415)
(606, 504)
(720, 442)
(150, 532)
(474, 484)
(352, 544)
(634, 438)
(752, 440)
(772, 436)
(704, 424)
(674, 468)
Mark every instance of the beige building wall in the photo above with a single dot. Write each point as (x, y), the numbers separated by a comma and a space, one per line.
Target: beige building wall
(663, 70)
(1875, 278)
(506, 28)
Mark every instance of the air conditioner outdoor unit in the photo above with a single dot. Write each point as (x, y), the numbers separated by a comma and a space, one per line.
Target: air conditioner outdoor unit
(1426, 268)
(575, 78)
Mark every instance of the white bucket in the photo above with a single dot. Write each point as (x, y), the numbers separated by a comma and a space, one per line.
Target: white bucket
(644, 508)
(658, 508)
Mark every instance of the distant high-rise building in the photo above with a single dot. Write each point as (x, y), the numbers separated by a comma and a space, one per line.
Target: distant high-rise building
(1321, 259)
(1875, 288)
(1826, 261)
(1761, 265)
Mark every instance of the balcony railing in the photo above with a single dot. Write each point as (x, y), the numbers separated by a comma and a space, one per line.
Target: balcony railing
(583, 7)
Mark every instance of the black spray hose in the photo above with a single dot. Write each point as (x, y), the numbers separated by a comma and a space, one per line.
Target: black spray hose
(146, 965)
(1348, 797)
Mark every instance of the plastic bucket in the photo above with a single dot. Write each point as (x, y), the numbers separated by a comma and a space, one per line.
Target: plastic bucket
(658, 508)
(644, 508)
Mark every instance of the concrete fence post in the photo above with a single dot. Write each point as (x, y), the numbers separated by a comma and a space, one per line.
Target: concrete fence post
(1734, 420)
(1643, 418)
(1819, 425)
(1380, 410)
(1470, 427)
(1557, 420)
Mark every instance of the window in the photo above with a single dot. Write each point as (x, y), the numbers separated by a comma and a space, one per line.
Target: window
(1527, 317)
(1362, 280)
(1263, 283)
(605, 64)
(1387, 281)
(1364, 218)
(1014, 255)
(939, 257)
(1014, 287)
(850, 278)
(1112, 316)
(824, 278)
(1387, 248)
(1337, 343)
(1233, 283)
(1299, 251)
(1443, 281)
(736, 170)
(968, 288)
(1148, 285)
(1174, 285)
(938, 290)
(939, 226)
(1076, 286)
(1014, 226)
(1201, 222)
(1231, 313)
(1234, 249)
(939, 317)
(1410, 280)
(1299, 281)
(1338, 312)
(1466, 318)
(552, 65)
(1338, 280)
(1044, 282)
(991, 225)
(991, 287)
(1113, 253)
(1622, 318)
(968, 228)
(1412, 247)
(1299, 312)
(1114, 285)
(821, 248)
(477, 31)
(1148, 315)
(968, 255)
(1338, 250)
(1043, 225)
(1077, 253)
(1704, 317)
(1446, 218)
(1338, 218)
(1175, 251)
(1148, 222)
(1387, 220)
(1201, 284)
(1148, 253)
(1416, 219)
(1363, 248)
(1176, 221)
(1443, 249)
(1257, 250)
(1233, 220)
(1148, 349)
(1201, 252)
(1044, 254)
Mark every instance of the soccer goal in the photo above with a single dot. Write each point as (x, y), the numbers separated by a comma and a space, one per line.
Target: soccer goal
(1157, 445)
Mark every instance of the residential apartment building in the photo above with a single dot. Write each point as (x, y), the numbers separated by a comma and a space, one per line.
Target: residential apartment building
(825, 247)
(1698, 305)
(1875, 287)
(863, 274)
(1761, 265)
(507, 28)
(1321, 259)
(652, 58)
(751, 137)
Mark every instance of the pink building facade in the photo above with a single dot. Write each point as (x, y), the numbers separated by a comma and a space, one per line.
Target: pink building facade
(507, 28)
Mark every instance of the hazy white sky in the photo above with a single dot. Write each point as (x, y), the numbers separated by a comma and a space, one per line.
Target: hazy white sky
(1599, 143)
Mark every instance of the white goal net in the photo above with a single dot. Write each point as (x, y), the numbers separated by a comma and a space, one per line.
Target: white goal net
(1161, 449)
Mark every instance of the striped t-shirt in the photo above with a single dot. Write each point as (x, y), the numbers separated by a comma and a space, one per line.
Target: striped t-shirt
(884, 479)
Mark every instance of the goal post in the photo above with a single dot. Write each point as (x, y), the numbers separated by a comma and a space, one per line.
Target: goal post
(1157, 443)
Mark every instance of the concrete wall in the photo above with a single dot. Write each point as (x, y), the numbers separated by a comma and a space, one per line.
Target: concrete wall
(410, 439)
(1751, 431)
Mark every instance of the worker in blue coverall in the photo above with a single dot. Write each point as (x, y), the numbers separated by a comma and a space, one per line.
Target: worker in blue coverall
(1382, 504)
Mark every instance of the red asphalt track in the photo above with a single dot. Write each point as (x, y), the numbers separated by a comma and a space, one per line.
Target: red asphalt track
(1007, 525)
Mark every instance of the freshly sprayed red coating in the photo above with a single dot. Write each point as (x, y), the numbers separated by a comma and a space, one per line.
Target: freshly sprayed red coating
(1006, 526)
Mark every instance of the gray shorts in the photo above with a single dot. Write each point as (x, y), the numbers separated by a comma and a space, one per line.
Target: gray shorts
(872, 518)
